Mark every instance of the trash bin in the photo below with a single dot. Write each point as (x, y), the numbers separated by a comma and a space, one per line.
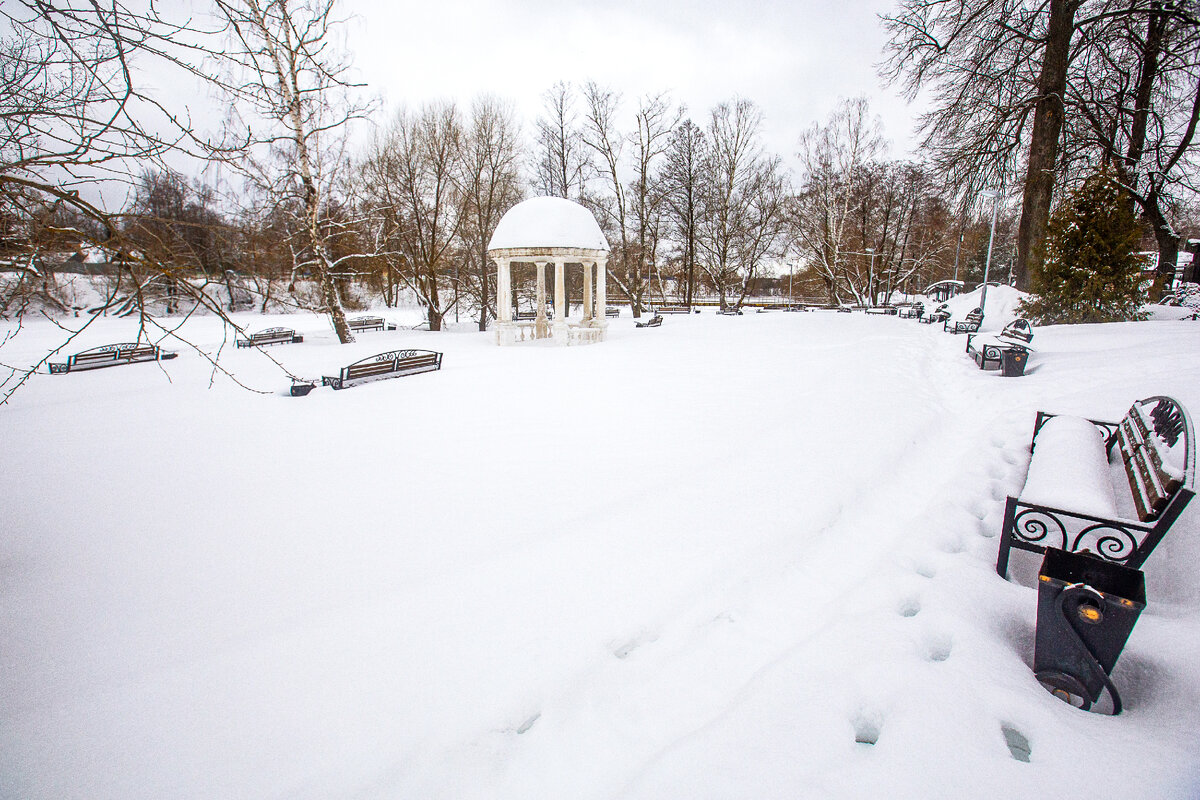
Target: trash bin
(1012, 361)
(301, 389)
(1087, 607)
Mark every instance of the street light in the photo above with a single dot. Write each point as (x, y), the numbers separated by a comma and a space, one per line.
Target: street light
(992, 193)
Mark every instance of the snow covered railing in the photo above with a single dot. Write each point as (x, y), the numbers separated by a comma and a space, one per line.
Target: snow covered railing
(111, 355)
(1068, 501)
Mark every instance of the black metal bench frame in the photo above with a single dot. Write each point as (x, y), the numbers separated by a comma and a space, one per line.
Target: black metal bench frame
(939, 314)
(393, 364)
(111, 355)
(889, 310)
(271, 336)
(653, 322)
(672, 310)
(1159, 500)
(1015, 336)
(912, 312)
(370, 324)
(612, 311)
(969, 324)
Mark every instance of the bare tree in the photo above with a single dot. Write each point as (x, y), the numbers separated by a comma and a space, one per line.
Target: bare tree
(414, 175)
(655, 121)
(293, 101)
(681, 185)
(490, 183)
(561, 166)
(834, 161)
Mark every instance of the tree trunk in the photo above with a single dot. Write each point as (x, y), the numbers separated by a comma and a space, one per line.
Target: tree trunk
(1044, 140)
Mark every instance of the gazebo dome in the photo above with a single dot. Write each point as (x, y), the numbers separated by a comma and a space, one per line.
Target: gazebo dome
(542, 223)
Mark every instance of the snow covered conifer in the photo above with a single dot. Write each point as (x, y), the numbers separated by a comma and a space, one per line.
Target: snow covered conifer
(1091, 272)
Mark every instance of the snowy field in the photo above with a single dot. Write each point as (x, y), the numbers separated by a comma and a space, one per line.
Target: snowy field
(698, 561)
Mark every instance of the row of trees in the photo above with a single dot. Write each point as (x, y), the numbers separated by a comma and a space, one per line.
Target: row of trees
(1036, 97)
(687, 204)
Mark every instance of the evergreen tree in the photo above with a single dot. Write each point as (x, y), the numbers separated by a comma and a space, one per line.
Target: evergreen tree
(1091, 272)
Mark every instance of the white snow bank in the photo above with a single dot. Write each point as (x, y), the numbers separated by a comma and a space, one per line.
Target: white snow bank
(1069, 469)
(548, 222)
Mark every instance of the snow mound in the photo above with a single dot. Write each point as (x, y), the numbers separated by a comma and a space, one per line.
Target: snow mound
(548, 222)
(1002, 302)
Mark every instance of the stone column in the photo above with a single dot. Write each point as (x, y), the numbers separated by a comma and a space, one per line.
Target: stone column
(601, 290)
(503, 290)
(560, 317)
(587, 294)
(541, 326)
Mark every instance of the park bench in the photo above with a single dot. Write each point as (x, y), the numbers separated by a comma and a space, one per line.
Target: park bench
(988, 349)
(370, 324)
(968, 324)
(880, 310)
(939, 314)
(1072, 501)
(393, 364)
(653, 322)
(111, 355)
(612, 311)
(271, 336)
(912, 312)
(672, 310)
(730, 311)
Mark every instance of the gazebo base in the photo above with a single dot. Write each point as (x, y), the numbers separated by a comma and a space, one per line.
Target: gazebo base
(516, 332)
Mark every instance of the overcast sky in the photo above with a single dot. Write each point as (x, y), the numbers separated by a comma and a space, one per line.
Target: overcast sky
(795, 58)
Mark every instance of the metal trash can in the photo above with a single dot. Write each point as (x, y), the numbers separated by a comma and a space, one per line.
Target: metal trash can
(1087, 607)
(1012, 361)
(301, 389)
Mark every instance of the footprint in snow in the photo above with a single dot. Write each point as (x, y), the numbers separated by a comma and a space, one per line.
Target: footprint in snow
(926, 570)
(529, 723)
(1018, 745)
(866, 727)
(909, 607)
(1012, 457)
(937, 648)
(622, 651)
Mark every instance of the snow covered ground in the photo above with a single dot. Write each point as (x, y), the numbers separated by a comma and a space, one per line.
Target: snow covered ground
(698, 561)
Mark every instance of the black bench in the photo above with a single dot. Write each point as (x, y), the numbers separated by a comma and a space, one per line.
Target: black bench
(1157, 448)
(394, 364)
(672, 310)
(370, 324)
(271, 336)
(939, 314)
(988, 349)
(912, 312)
(880, 310)
(111, 355)
(653, 322)
(730, 311)
(1019, 330)
(612, 311)
(968, 324)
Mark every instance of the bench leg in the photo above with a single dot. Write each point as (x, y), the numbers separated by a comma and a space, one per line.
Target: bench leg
(1006, 537)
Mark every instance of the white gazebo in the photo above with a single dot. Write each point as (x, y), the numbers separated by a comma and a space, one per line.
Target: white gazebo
(543, 231)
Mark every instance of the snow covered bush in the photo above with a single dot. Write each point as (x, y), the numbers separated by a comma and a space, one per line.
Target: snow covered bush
(1091, 272)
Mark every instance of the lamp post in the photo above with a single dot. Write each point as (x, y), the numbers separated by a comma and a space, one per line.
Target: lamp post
(871, 276)
(992, 193)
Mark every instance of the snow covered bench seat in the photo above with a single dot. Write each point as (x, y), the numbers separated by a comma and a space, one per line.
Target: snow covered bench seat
(988, 348)
(653, 322)
(880, 310)
(111, 355)
(912, 312)
(673, 310)
(1073, 500)
(271, 336)
(393, 364)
